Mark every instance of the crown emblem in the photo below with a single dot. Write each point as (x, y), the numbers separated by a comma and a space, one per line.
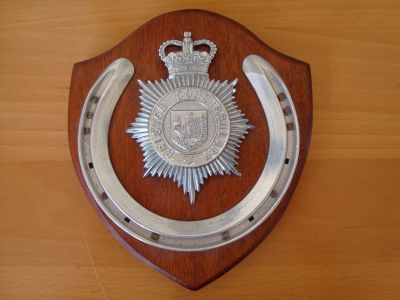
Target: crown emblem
(188, 61)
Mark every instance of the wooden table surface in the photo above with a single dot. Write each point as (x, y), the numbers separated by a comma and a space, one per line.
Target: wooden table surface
(340, 236)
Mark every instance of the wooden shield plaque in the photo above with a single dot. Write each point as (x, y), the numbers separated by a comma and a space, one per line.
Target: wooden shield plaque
(220, 124)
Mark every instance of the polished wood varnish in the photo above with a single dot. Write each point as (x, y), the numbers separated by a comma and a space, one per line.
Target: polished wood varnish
(219, 193)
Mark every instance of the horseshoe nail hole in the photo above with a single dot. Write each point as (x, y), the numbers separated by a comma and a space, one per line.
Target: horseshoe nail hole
(289, 126)
(103, 196)
(127, 220)
(86, 130)
(225, 235)
(90, 165)
(274, 194)
(89, 115)
(286, 161)
(251, 219)
(281, 96)
(95, 99)
(155, 236)
(287, 111)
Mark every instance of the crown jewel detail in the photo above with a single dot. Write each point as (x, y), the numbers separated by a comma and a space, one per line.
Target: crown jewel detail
(187, 61)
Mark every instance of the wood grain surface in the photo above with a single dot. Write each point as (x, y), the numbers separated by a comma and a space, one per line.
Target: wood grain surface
(339, 237)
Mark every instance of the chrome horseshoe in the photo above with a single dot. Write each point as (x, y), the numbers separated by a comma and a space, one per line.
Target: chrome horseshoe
(214, 232)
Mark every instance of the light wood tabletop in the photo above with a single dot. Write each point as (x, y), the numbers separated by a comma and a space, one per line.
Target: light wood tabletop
(339, 237)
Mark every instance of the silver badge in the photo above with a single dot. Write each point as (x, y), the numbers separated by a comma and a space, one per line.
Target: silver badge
(189, 127)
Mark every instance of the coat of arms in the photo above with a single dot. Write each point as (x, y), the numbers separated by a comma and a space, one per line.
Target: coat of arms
(189, 126)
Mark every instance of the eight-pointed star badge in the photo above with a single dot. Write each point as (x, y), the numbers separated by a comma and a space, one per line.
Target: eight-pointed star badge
(189, 127)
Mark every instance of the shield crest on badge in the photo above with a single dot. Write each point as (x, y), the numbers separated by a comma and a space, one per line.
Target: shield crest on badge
(189, 128)
(191, 146)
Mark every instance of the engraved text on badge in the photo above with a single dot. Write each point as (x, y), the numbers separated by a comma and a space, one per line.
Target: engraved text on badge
(189, 127)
